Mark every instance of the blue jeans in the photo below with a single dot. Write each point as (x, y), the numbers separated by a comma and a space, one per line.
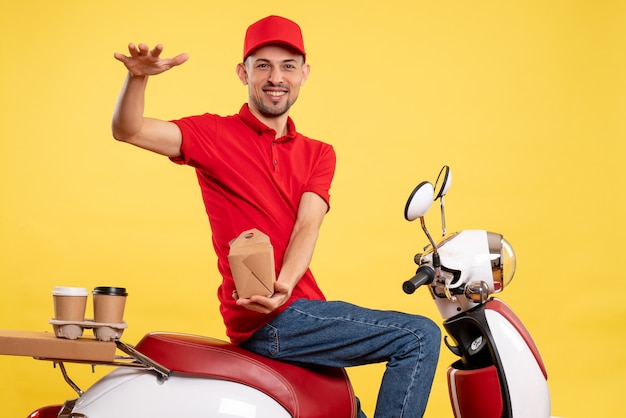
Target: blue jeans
(339, 334)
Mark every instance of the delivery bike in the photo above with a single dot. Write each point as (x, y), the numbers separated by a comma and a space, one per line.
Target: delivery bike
(499, 372)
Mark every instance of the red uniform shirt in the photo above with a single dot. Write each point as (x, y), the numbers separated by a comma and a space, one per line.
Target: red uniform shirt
(249, 179)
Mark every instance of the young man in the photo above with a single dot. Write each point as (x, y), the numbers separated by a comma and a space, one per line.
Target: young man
(256, 171)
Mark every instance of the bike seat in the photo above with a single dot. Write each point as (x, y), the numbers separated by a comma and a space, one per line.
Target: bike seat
(304, 392)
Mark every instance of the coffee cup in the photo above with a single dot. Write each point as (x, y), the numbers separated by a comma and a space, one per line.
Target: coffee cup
(109, 304)
(70, 303)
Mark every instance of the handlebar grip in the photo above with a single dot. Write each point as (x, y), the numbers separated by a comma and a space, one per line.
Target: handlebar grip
(424, 275)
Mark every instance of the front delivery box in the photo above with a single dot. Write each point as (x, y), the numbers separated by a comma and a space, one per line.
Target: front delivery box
(251, 259)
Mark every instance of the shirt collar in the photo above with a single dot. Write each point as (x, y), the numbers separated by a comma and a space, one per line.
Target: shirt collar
(259, 127)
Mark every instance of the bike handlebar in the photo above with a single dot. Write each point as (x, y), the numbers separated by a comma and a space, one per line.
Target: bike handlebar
(424, 275)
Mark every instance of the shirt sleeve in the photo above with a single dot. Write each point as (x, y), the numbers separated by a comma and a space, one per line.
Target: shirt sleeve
(198, 134)
(322, 176)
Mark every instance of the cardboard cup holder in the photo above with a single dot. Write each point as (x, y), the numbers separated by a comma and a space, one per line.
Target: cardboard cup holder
(73, 330)
(70, 304)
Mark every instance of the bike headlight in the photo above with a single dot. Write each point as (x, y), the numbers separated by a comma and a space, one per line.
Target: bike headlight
(502, 260)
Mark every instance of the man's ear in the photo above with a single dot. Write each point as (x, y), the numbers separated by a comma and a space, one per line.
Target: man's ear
(306, 70)
(242, 73)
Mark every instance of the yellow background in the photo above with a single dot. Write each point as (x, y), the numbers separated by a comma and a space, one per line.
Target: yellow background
(524, 100)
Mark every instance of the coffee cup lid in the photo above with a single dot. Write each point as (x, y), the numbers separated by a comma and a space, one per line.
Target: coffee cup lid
(108, 290)
(69, 291)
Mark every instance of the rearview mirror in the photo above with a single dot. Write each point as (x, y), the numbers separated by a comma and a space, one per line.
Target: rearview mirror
(420, 200)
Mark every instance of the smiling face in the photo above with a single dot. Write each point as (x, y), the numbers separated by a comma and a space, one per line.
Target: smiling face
(273, 75)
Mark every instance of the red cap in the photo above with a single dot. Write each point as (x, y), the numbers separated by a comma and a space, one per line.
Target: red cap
(273, 30)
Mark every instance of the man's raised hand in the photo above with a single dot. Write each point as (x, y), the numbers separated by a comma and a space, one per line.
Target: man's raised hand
(143, 61)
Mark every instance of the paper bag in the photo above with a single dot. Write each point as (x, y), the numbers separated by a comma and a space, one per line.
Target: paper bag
(251, 259)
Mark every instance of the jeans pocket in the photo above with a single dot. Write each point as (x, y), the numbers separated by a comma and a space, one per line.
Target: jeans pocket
(264, 341)
(272, 338)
